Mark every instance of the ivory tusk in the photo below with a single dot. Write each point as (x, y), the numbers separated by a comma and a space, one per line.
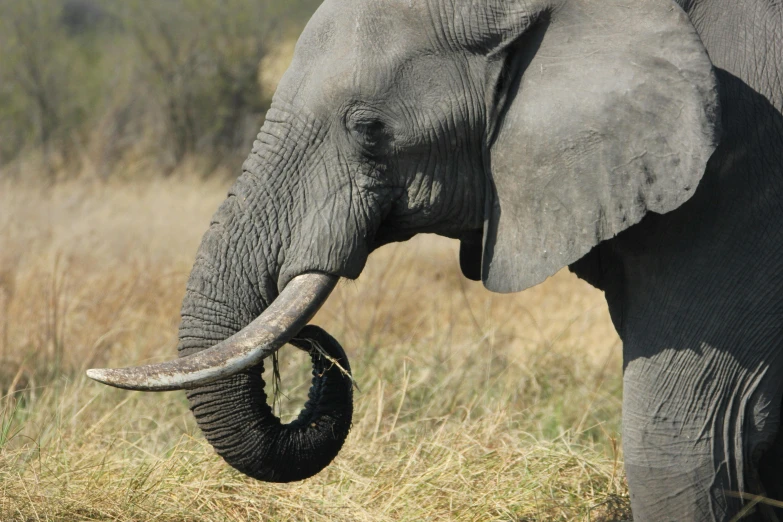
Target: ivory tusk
(290, 312)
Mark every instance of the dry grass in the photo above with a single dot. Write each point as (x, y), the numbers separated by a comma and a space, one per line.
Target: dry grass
(473, 406)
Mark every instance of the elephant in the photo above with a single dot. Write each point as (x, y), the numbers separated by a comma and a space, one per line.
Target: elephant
(637, 142)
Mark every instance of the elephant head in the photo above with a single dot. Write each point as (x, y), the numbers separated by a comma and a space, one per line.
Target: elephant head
(531, 130)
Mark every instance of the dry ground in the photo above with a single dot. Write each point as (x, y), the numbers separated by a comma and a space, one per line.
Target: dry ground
(472, 406)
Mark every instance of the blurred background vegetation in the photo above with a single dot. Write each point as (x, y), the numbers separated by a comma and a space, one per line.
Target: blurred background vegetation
(107, 88)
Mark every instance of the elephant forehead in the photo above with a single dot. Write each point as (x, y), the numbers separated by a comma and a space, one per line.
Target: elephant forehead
(358, 49)
(348, 28)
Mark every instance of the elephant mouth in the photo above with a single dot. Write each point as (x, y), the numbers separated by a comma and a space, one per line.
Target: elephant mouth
(277, 325)
(388, 234)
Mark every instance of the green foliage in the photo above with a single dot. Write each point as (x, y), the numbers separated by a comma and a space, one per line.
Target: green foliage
(201, 62)
(103, 82)
(38, 103)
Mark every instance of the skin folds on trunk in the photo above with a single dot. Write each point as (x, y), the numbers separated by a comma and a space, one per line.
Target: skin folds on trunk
(232, 283)
(240, 425)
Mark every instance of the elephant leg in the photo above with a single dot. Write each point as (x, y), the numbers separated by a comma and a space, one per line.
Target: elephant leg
(695, 421)
(770, 473)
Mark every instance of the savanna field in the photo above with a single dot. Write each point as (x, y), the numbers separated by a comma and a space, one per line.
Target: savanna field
(122, 125)
(470, 405)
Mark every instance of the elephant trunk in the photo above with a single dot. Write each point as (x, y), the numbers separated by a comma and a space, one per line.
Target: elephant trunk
(232, 412)
(270, 258)
(233, 317)
(233, 281)
(236, 419)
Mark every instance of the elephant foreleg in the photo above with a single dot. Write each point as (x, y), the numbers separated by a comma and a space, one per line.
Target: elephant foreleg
(770, 474)
(695, 421)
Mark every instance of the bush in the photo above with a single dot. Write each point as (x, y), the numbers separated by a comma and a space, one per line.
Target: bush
(104, 83)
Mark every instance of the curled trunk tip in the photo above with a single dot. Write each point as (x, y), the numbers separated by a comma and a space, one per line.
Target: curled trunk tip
(255, 442)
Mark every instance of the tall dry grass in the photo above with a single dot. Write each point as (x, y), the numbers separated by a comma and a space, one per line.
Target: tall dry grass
(472, 405)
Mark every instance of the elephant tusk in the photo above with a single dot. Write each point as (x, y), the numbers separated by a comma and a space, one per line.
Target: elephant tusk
(279, 323)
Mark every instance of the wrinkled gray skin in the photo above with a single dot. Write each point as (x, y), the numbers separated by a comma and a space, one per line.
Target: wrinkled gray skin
(542, 134)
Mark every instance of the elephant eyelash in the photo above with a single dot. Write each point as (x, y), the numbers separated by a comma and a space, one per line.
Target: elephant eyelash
(370, 132)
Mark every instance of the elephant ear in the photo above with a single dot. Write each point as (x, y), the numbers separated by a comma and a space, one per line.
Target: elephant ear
(604, 111)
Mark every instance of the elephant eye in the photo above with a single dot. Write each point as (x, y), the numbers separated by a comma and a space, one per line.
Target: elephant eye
(370, 132)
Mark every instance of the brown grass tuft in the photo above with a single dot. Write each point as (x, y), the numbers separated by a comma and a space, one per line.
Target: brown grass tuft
(473, 406)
